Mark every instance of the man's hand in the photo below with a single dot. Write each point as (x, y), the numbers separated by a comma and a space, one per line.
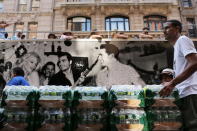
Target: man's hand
(81, 78)
(167, 90)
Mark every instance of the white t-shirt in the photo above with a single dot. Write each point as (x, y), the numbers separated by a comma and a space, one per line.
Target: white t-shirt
(118, 74)
(182, 48)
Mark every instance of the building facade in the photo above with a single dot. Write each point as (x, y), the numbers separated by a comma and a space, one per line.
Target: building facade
(37, 18)
(188, 10)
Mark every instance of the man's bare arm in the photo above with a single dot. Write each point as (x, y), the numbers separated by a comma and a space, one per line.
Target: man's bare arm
(191, 68)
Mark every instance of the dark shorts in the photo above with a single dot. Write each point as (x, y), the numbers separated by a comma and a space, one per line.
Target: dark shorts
(188, 109)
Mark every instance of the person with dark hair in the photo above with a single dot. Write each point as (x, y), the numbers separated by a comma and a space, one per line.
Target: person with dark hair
(52, 36)
(6, 36)
(48, 70)
(185, 67)
(166, 75)
(23, 37)
(95, 35)
(113, 72)
(8, 65)
(3, 25)
(119, 35)
(145, 34)
(18, 78)
(67, 36)
(17, 36)
(65, 75)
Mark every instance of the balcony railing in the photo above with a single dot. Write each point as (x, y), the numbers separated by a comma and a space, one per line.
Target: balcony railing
(157, 1)
(119, 1)
(79, 1)
(133, 35)
(140, 1)
(82, 35)
(67, 2)
(157, 35)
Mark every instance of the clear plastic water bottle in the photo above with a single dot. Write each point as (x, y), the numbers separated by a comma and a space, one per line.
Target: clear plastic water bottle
(122, 116)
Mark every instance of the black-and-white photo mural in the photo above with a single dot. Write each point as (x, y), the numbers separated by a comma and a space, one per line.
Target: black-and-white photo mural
(87, 62)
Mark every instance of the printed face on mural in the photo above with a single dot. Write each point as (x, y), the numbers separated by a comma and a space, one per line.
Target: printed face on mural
(104, 57)
(30, 63)
(50, 70)
(64, 63)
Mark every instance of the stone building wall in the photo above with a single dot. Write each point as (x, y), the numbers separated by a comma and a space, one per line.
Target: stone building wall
(52, 14)
(189, 12)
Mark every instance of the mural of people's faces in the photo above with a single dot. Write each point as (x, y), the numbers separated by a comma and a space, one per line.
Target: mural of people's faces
(39, 60)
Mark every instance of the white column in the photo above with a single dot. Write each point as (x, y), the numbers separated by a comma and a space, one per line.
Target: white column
(26, 29)
(65, 22)
(29, 5)
(16, 5)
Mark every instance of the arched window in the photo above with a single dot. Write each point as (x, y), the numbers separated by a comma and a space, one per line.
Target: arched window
(79, 24)
(186, 3)
(154, 22)
(117, 23)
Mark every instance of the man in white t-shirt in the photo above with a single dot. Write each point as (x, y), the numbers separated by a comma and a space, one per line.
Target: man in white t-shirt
(185, 67)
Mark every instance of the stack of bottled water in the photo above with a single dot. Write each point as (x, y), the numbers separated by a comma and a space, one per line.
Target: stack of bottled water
(128, 95)
(156, 89)
(163, 113)
(91, 93)
(53, 111)
(2, 117)
(90, 112)
(19, 103)
(18, 92)
(128, 112)
(18, 116)
(126, 92)
(128, 116)
(91, 115)
(53, 92)
(123, 107)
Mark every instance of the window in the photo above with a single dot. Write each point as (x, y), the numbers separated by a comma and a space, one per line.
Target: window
(35, 5)
(191, 27)
(117, 23)
(22, 5)
(1, 6)
(19, 27)
(79, 24)
(154, 22)
(186, 3)
(32, 28)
